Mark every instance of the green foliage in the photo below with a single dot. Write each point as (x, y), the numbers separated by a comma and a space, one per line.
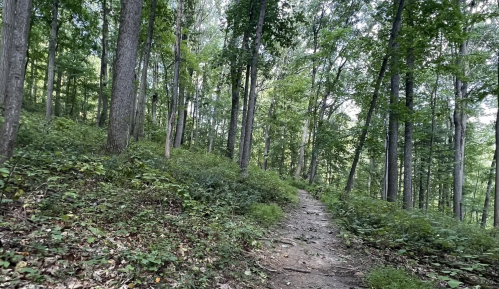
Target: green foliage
(391, 278)
(386, 224)
(181, 219)
(267, 214)
(215, 180)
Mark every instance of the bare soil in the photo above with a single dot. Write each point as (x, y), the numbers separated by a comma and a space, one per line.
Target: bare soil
(306, 251)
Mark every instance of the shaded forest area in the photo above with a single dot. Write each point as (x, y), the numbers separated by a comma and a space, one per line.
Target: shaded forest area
(207, 111)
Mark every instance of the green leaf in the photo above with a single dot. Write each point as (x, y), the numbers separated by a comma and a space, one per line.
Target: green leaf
(454, 283)
(402, 251)
(4, 264)
(90, 240)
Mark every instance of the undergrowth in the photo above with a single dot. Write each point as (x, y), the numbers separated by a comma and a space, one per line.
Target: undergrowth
(72, 214)
(391, 278)
(454, 250)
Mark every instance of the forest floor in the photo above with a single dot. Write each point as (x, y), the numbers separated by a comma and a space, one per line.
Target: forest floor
(306, 251)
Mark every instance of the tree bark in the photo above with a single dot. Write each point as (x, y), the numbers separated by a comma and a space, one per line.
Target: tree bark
(103, 99)
(393, 122)
(8, 18)
(409, 95)
(15, 80)
(51, 64)
(245, 113)
(176, 75)
(267, 136)
(57, 111)
(123, 76)
(486, 204)
(496, 191)
(394, 33)
(179, 131)
(252, 94)
(140, 113)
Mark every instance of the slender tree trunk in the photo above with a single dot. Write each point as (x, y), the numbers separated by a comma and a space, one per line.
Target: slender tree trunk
(245, 113)
(394, 33)
(421, 188)
(103, 99)
(154, 108)
(176, 77)
(267, 135)
(460, 118)
(179, 131)
(252, 95)
(57, 111)
(385, 169)
(15, 80)
(51, 65)
(8, 18)
(393, 122)
(236, 77)
(140, 113)
(496, 191)
(123, 76)
(409, 94)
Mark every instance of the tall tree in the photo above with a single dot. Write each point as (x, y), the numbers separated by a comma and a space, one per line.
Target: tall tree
(460, 119)
(103, 97)
(123, 76)
(393, 35)
(252, 95)
(408, 133)
(496, 191)
(8, 13)
(393, 125)
(15, 80)
(140, 113)
(176, 76)
(51, 64)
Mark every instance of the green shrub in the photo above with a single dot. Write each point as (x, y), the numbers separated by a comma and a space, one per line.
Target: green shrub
(391, 278)
(267, 214)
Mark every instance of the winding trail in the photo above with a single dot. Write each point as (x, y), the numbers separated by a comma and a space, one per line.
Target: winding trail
(305, 252)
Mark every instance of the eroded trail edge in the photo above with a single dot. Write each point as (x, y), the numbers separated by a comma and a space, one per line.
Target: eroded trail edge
(306, 252)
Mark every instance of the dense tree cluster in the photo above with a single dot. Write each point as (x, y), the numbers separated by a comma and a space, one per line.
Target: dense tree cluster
(390, 98)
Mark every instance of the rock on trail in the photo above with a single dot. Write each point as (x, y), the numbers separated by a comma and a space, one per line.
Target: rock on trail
(305, 252)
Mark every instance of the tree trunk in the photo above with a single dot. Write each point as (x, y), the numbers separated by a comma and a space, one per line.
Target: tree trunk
(153, 108)
(421, 188)
(245, 112)
(140, 113)
(8, 18)
(317, 128)
(409, 94)
(267, 135)
(385, 168)
(57, 111)
(51, 65)
(496, 191)
(103, 99)
(176, 75)
(252, 94)
(394, 33)
(15, 80)
(393, 122)
(179, 131)
(123, 76)
(236, 77)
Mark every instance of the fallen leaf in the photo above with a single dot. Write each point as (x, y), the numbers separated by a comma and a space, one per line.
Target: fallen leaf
(158, 279)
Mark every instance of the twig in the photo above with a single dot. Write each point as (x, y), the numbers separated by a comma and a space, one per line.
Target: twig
(280, 241)
(267, 269)
(349, 269)
(297, 270)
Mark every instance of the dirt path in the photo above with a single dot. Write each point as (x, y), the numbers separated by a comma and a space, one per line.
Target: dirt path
(305, 252)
